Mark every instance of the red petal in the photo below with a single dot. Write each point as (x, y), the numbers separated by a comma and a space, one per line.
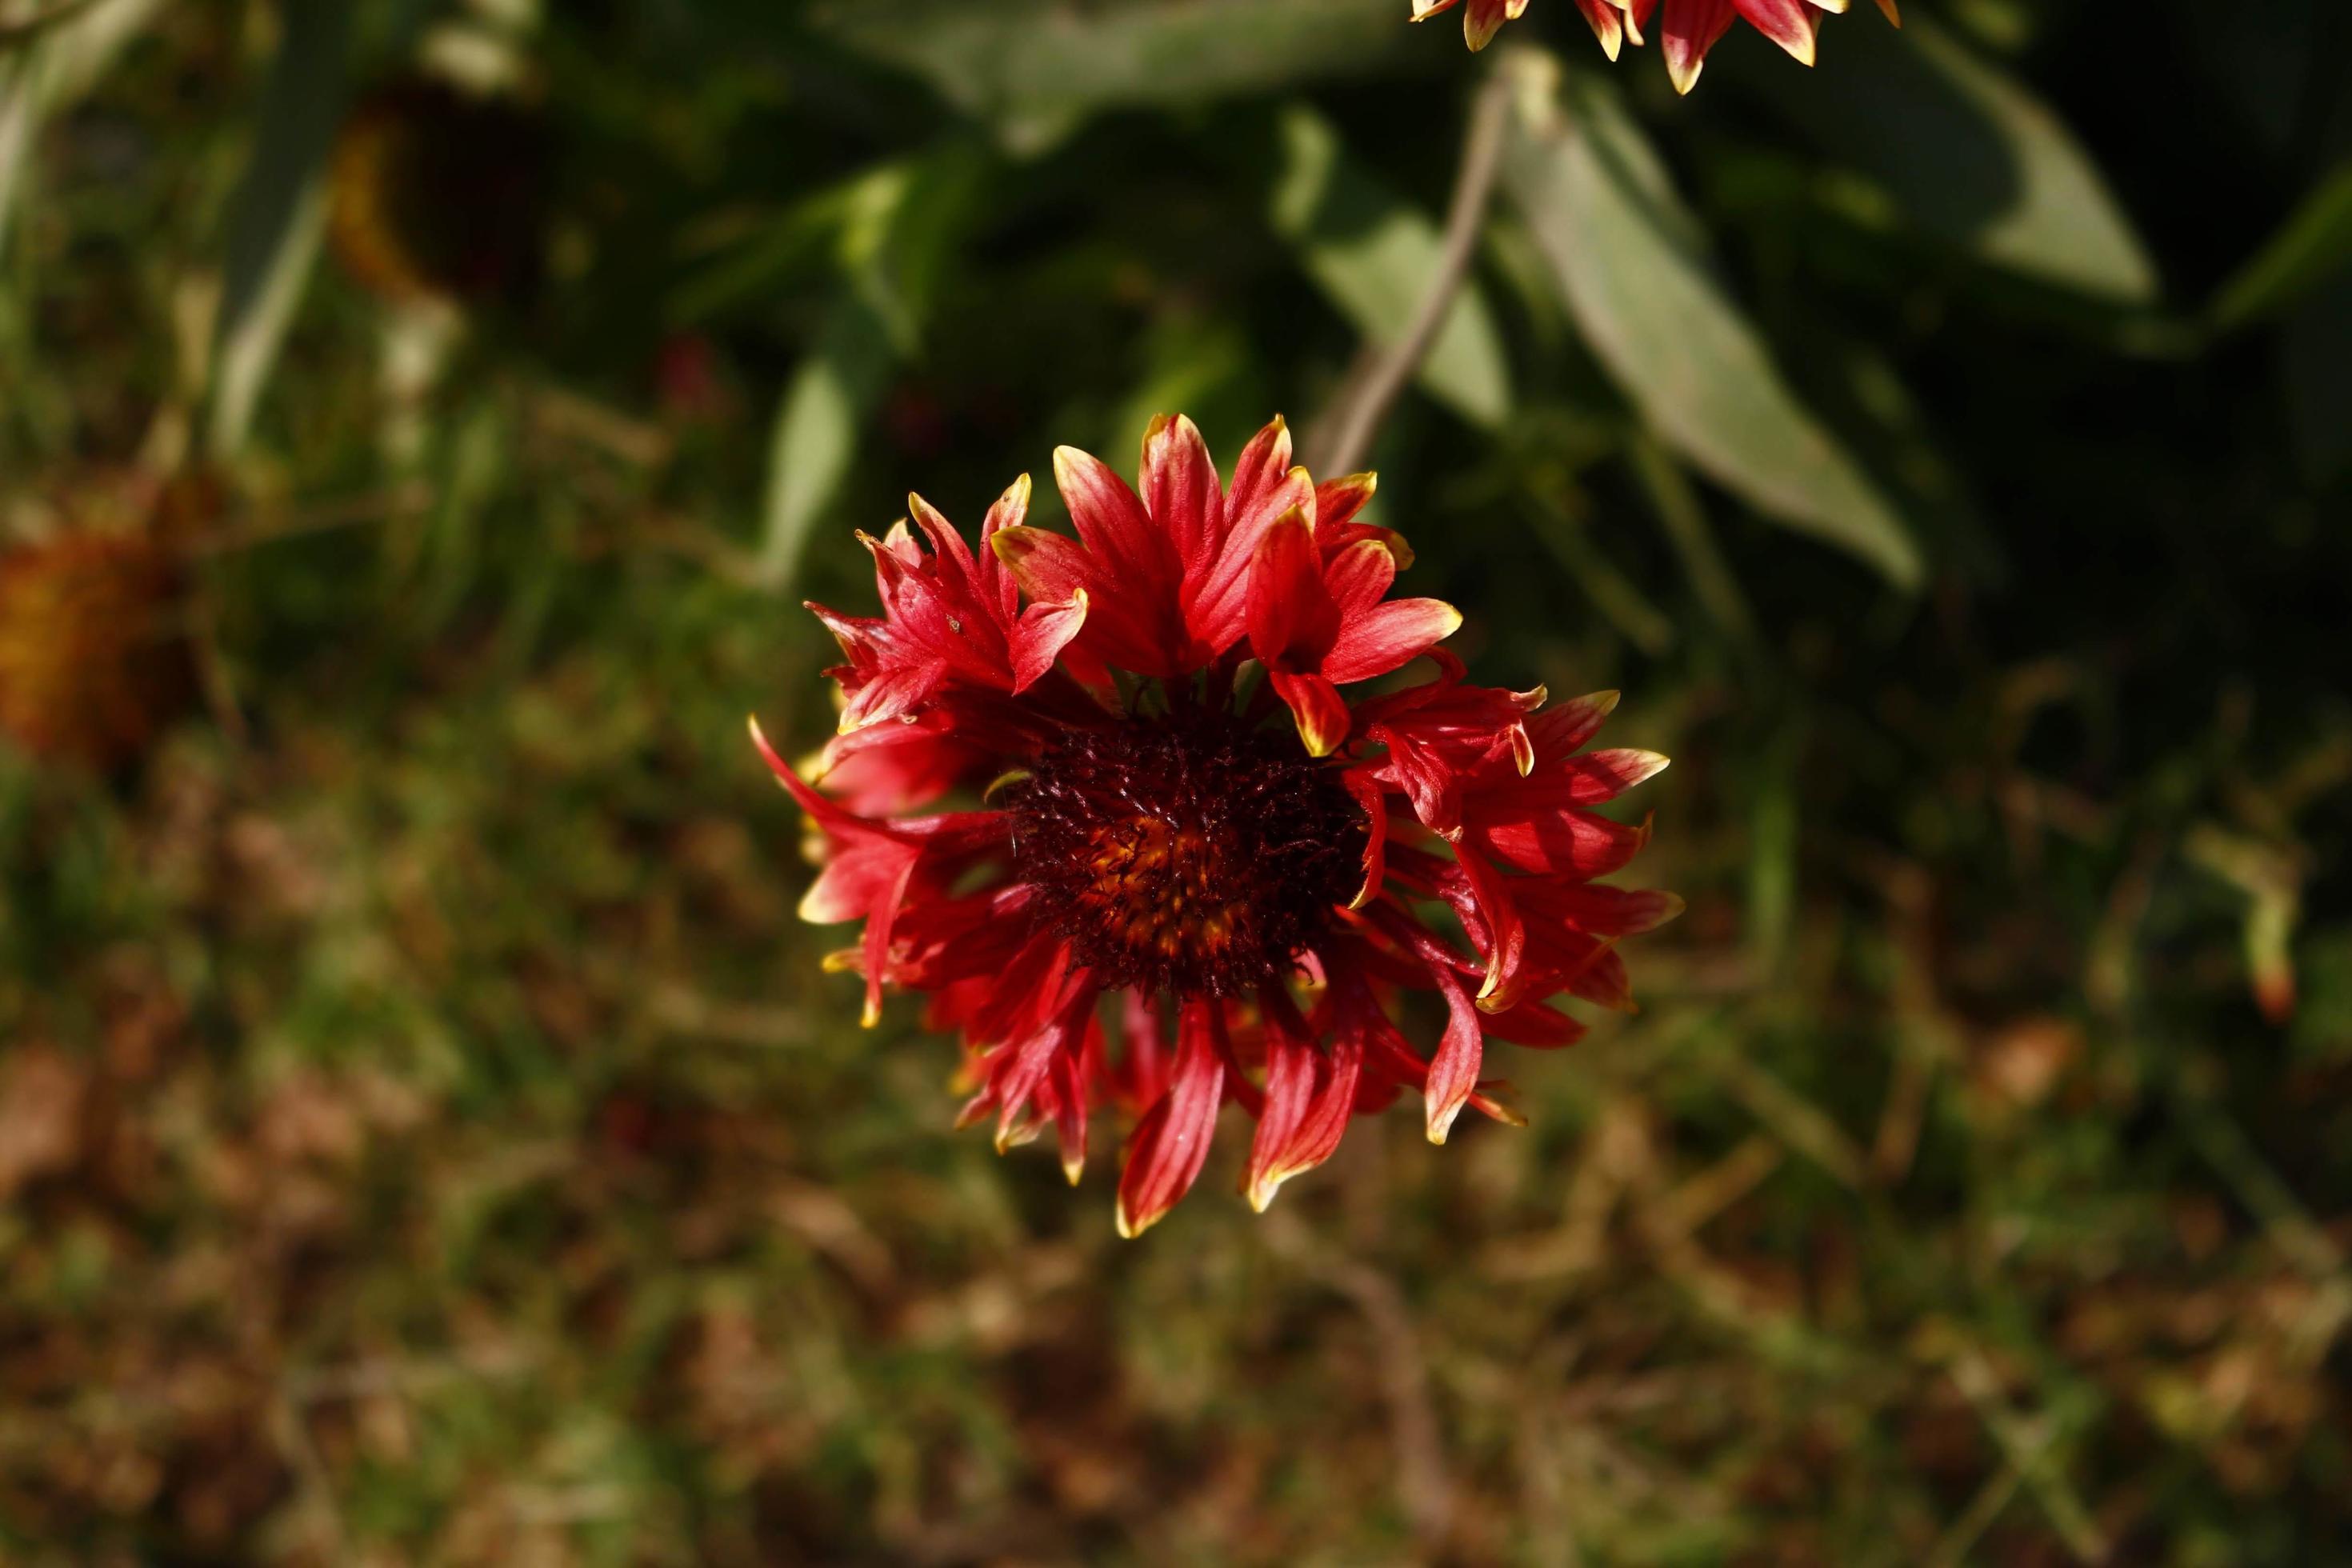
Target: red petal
(1507, 932)
(1788, 23)
(1263, 482)
(1337, 501)
(1574, 842)
(1266, 485)
(959, 573)
(1070, 1083)
(1111, 518)
(1453, 1070)
(1316, 704)
(1608, 24)
(1140, 1074)
(1137, 582)
(1292, 619)
(1181, 493)
(1309, 1096)
(1693, 27)
(862, 637)
(1602, 777)
(1564, 727)
(1601, 912)
(894, 693)
(1011, 511)
(1044, 630)
(1050, 568)
(1169, 1146)
(1483, 19)
(1601, 980)
(1433, 787)
(1534, 1025)
(1373, 797)
(1359, 576)
(1389, 637)
(1055, 569)
(1025, 1068)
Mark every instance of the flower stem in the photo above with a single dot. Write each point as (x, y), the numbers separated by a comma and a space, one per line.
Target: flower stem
(1344, 434)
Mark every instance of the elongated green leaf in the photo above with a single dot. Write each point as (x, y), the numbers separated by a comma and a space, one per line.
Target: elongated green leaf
(837, 385)
(279, 214)
(1963, 151)
(901, 231)
(1036, 67)
(2315, 245)
(1373, 254)
(1626, 258)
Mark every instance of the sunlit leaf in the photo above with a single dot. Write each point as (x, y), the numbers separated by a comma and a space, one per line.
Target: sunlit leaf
(901, 229)
(1036, 67)
(279, 213)
(1629, 264)
(1373, 254)
(2311, 248)
(1965, 152)
(836, 386)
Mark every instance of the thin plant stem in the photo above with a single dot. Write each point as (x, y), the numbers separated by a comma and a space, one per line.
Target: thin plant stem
(1345, 434)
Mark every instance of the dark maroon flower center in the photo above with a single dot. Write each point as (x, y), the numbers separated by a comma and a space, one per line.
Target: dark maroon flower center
(1189, 854)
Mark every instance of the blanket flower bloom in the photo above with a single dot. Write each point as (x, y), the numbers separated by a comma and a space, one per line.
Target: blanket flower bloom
(1687, 29)
(1190, 870)
(92, 661)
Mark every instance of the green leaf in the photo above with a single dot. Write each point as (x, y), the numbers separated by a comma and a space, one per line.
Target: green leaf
(1036, 67)
(280, 209)
(1627, 257)
(1963, 151)
(901, 231)
(1373, 254)
(838, 385)
(2312, 248)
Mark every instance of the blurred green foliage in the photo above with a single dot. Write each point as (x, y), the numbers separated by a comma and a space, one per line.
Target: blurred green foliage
(427, 1135)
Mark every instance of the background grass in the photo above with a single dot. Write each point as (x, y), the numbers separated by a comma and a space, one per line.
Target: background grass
(427, 1135)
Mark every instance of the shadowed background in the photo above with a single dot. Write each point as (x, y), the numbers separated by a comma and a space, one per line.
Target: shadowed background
(426, 1133)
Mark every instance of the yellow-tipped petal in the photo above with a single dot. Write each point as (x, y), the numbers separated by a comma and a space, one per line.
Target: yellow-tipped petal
(1318, 741)
(1262, 1191)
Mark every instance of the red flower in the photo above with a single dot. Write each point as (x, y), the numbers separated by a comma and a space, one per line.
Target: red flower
(1688, 29)
(1182, 887)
